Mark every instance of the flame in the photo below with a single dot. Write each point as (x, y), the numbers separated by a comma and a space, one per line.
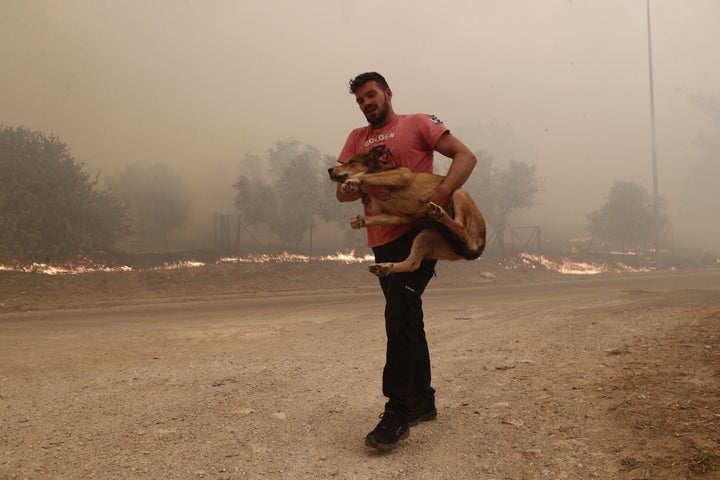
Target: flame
(348, 258)
(562, 265)
(88, 266)
(178, 265)
(67, 269)
(567, 266)
(286, 257)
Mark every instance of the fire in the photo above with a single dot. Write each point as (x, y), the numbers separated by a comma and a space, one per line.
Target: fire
(87, 267)
(286, 257)
(68, 269)
(177, 265)
(348, 258)
(567, 266)
(561, 265)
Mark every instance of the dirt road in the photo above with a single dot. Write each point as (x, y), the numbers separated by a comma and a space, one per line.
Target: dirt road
(608, 377)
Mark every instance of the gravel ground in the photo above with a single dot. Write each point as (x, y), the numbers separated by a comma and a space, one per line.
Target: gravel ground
(273, 371)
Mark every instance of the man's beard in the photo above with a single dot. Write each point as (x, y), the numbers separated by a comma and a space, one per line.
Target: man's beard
(378, 116)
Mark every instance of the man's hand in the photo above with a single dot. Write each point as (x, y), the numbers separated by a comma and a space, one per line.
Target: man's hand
(381, 192)
(439, 196)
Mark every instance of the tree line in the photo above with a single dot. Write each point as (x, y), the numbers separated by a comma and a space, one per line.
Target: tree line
(51, 208)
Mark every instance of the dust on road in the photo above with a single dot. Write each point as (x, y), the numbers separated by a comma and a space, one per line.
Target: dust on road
(607, 377)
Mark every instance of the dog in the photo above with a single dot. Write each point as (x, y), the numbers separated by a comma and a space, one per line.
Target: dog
(456, 234)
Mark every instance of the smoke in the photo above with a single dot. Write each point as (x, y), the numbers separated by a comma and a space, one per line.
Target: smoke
(197, 85)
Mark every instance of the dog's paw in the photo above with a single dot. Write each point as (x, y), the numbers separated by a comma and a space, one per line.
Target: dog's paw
(380, 269)
(357, 221)
(434, 211)
(350, 185)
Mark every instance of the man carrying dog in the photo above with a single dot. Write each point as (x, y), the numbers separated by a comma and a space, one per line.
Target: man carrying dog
(410, 141)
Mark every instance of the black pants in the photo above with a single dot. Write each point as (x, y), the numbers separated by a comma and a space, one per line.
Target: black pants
(406, 376)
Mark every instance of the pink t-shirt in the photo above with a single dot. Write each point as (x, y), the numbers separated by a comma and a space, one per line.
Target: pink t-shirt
(411, 139)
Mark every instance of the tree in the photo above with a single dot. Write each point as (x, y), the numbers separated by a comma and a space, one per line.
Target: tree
(49, 207)
(253, 197)
(628, 220)
(288, 199)
(499, 192)
(158, 203)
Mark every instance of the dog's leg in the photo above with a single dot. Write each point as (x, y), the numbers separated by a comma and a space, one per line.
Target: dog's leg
(381, 269)
(401, 177)
(468, 215)
(436, 214)
(351, 185)
(465, 232)
(427, 244)
(390, 178)
(360, 221)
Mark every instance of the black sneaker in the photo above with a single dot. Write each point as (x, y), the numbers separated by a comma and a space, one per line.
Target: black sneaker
(391, 429)
(425, 414)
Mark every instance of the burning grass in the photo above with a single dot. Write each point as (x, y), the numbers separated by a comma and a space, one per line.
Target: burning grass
(568, 266)
(88, 266)
(119, 281)
(563, 265)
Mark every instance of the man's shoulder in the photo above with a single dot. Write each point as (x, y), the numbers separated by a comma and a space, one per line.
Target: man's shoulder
(360, 130)
(424, 118)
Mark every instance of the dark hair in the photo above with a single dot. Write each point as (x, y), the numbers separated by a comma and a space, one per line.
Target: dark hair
(363, 78)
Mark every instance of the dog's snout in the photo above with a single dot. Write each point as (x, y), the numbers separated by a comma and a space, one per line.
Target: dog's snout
(337, 176)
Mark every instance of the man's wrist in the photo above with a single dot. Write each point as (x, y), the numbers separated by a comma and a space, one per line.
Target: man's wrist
(444, 189)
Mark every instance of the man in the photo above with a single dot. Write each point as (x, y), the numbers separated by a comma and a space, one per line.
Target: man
(410, 141)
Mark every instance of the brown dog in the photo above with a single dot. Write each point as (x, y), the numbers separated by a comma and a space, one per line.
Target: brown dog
(454, 235)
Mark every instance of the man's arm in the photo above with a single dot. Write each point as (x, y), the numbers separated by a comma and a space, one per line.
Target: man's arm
(463, 162)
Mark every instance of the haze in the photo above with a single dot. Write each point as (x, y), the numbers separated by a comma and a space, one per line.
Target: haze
(559, 84)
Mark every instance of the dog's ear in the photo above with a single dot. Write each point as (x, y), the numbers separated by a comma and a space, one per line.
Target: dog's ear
(375, 165)
(377, 152)
(379, 159)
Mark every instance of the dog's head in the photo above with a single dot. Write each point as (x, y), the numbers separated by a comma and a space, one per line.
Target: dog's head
(370, 162)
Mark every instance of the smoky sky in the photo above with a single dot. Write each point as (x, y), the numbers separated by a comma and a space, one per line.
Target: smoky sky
(560, 84)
